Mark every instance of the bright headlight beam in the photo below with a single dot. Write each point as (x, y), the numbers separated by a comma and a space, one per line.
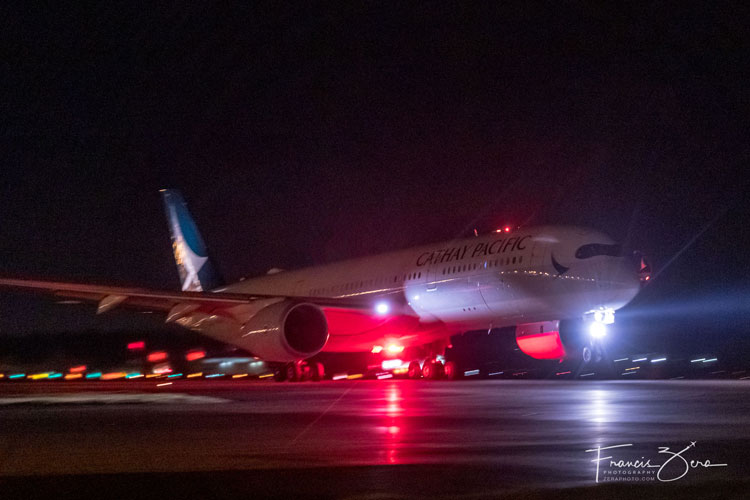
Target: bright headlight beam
(597, 330)
(382, 308)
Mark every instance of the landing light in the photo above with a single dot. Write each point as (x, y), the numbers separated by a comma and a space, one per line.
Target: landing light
(605, 316)
(395, 348)
(382, 308)
(597, 330)
(391, 364)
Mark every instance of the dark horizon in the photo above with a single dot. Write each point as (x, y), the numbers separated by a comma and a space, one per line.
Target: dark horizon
(304, 136)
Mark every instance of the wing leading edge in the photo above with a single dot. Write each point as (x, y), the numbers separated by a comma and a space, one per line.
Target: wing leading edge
(109, 297)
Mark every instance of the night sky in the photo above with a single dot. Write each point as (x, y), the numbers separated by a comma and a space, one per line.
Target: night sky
(304, 135)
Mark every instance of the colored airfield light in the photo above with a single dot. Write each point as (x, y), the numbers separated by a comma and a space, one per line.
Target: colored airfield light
(266, 375)
(699, 360)
(174, 375)
(354, 376)
(194, 355)
(340, 376)
(710, 360)
(137, 346)
(506, 229)
(162, 370)
(39, 376)
(376, 349)
(113, 375)
(93, 375)
(134, 375)
(163, 384)
(153, 375)
(2, 375)
(239, 375)
(77, 369)
(193, 375)
(214, 375)
(391, 364)
(73, 376)
(16, 376)
(55, 375)
(157, 356)
(401, 371)
(395, 348)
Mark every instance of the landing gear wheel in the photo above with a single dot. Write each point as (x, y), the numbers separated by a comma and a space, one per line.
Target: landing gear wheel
(432, 370)
(306, 371)
(586, 355)
(279, 374)
(293, 372)
(318, 371)
(415, 371)
(451, 370)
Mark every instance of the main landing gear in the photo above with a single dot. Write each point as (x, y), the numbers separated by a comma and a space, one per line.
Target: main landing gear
(300, 371)
(433, 370)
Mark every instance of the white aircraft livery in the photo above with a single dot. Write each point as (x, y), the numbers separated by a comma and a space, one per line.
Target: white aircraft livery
(409, 301)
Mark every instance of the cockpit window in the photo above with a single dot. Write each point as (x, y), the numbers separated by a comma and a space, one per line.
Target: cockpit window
(594, 249)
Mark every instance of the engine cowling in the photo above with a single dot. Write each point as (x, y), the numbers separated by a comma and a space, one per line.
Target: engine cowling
(286, 331)
(541, 340)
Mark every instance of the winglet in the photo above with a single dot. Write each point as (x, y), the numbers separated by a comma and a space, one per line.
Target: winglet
(197, 272)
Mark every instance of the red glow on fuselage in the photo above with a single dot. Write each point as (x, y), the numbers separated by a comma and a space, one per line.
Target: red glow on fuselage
(545, 345)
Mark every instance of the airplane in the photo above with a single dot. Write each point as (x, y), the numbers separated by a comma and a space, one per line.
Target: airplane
(407, 302)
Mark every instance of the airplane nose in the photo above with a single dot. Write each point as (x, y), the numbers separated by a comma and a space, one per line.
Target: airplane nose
(620, 282)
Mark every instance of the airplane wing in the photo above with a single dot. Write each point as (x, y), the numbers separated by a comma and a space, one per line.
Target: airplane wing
(109, 297)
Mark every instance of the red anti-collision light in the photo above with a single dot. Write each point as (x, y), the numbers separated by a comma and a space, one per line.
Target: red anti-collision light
(157, 356)
(193, 355)
(136, 346)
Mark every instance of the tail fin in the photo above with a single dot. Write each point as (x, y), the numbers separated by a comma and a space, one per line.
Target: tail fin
(197, 272)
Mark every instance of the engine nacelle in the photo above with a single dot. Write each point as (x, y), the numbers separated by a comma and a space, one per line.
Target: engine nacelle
(566, 339)
(286, 331)
(540, 340)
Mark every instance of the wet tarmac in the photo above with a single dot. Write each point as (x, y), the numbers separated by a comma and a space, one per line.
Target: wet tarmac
(390, 437)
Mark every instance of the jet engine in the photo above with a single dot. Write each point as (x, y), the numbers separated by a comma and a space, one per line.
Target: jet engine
(566, 339)
(285, 331)
(540, 340)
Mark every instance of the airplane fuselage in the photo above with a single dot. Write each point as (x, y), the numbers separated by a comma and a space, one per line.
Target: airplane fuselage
(495, 280)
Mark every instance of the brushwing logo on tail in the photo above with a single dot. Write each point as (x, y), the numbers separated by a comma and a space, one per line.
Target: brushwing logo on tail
(188, 263)
(197, 273)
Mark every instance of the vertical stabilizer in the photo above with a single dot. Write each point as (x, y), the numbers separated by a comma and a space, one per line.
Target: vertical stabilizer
(197, 272)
